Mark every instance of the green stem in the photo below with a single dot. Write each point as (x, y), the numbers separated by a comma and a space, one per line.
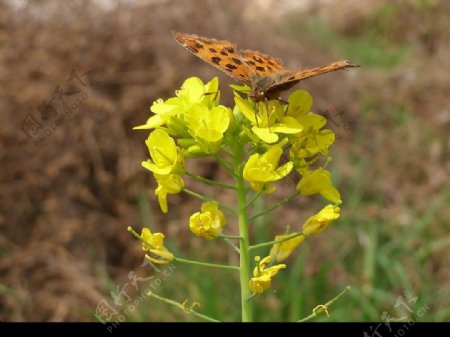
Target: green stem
(202, 197)
(232, 245)
(209, 182)
(228, 238)
(232, 237)
(205, 264)
(225, 165)
(183, 307)
(271, 243)
(135, 234)
(325, 306)
(252, 200)
(243, 233)
(281, 203)
(226, 152)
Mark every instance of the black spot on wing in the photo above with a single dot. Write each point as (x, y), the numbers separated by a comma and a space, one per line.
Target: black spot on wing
(212, 50)
(260, 68)
(257, 59)
(230, 50)
(237, 61)
(198, 45)
(224, 53)
(231, 66)
(215, 59)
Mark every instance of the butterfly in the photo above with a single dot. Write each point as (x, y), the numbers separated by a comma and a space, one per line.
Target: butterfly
(265, 75)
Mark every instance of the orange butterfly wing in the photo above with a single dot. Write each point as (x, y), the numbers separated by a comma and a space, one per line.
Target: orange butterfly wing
(221, 54)
(261, 64)
(288, 78)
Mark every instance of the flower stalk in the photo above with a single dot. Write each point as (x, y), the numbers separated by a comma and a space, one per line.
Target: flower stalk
(246, 306)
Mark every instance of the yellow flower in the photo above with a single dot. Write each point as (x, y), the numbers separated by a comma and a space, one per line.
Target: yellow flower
(165, 156)
(262, 276)
(267, 125)
(208, 126)
(281, 251)
(319, 181)
(164, 113)
(311, 142)
(167, 184)
(262, 170)
(300, 103)
(154, 244)
(170, 112)
(194, 91)
(319, 222)
(209, 222)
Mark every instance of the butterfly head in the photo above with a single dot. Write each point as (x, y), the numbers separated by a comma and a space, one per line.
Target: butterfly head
(260, 87)
(257, 95)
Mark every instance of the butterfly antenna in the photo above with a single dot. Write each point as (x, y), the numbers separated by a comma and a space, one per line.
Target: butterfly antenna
(215, 93)
(267, 112)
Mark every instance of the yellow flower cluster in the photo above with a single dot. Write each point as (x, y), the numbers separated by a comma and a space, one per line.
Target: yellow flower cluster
(273, 127)
(198, 123)
(194, 124)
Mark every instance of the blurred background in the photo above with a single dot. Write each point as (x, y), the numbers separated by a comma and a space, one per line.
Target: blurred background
(76, 76)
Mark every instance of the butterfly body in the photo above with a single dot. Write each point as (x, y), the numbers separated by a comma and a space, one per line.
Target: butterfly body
(268, 87)
(265, 75)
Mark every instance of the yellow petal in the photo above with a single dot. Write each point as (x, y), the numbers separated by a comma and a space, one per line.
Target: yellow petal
(320, 221)
(300, 103)
(281, 251)
(265, 134)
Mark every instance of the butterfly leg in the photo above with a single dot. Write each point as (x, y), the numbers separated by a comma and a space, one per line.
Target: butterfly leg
(256, 113)
(282, 101)
(267, 111)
